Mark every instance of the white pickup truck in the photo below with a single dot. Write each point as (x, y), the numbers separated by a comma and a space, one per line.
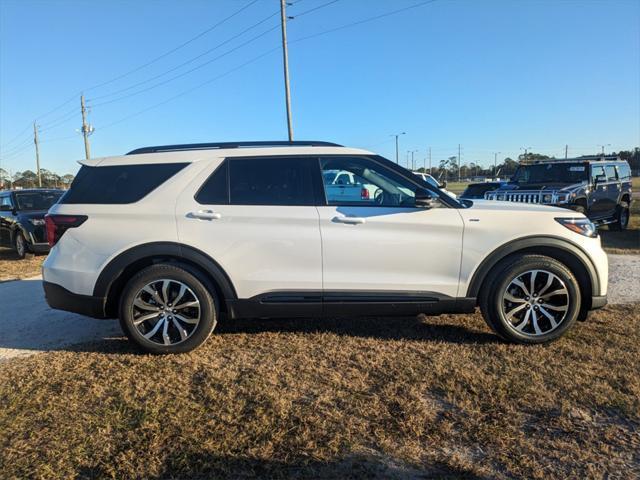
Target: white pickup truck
(341, 185)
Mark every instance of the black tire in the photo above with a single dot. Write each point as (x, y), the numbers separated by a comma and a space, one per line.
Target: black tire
(20, 245)
(621, 218)
(177, 275)
(581, 209)
(493, 305)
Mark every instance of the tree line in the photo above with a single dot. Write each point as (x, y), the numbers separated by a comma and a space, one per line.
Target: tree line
(447, 169)
(29, 179)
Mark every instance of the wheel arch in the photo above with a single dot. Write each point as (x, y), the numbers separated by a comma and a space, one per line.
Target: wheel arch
(120, 269)
(555, 247)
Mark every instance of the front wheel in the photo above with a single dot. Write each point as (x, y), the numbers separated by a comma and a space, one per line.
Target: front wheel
(168, 309)
(530, 299)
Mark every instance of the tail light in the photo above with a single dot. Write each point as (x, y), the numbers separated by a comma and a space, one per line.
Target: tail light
(364, 194)
(56, 225)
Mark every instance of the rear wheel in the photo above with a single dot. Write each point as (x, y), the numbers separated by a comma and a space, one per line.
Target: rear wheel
(20, 244)
(531, 299)
(621, 218)
(168, 309)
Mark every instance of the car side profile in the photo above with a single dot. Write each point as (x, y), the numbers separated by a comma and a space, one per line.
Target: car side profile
(168, 239)
(22, 219)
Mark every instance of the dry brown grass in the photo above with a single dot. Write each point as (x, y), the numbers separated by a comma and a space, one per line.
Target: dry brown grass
(375, 398)
(12, 268)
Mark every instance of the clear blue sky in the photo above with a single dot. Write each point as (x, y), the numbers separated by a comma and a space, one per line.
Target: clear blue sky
(491, 75)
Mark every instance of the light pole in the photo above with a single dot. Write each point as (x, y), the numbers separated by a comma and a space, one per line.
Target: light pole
(413, 163)
(526, 150)
(495, 163)
(285, 63)
(602, 147)
(397, 135)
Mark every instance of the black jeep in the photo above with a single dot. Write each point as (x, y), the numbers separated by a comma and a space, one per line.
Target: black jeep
(599, 187)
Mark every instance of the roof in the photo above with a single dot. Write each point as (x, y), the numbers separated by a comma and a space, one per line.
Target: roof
(190, 155)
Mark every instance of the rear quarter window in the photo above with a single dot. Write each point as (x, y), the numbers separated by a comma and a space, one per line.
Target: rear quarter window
(118, 184)
(624, 172)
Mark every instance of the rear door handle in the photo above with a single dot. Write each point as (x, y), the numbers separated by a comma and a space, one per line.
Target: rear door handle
(205, 215)
(350, 220)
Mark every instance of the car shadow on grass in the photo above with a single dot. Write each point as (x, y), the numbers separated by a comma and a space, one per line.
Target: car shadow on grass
(418, 328)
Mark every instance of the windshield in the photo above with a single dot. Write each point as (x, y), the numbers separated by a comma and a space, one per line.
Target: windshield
(552, 173)
(37, 200)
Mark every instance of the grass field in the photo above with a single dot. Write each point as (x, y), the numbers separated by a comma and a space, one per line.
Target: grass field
(374, 398)
(12, 268)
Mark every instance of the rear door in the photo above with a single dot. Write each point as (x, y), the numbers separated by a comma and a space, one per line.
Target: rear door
(384, 247)
(613, 189)
(598, 198)
(257, 218)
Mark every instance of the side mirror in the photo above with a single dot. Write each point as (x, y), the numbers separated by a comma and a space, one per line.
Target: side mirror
(424, 199)
(600, 179)
(443, 184)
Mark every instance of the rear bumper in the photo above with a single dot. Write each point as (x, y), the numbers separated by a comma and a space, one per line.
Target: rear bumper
(62, 299)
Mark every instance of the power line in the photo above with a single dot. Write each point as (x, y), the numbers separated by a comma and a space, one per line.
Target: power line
(175, 77)
(175, 49)
(191, 60)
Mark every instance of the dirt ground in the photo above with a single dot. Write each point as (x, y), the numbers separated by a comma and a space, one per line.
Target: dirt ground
(375, 398)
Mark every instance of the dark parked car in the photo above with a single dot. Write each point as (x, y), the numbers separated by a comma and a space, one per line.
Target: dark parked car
(599, 187)
(22, 219)
(477, 190)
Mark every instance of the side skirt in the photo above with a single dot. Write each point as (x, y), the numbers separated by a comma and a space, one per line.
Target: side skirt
(331, 304)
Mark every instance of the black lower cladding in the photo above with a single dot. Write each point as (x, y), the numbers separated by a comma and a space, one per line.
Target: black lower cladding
(304, 304)
(62, 299)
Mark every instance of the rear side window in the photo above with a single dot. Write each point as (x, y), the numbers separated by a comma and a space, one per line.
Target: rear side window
(271, 181)
(118, 184)
(611, 173)
(624, 172)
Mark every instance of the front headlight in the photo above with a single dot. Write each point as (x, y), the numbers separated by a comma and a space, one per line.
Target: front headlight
(36, 221)
(547, 198)
(582, 226)
(562, 198)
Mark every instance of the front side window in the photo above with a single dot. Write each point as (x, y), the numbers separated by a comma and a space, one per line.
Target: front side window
(597, 171)
(6, 201)
(271, 181)
(611, 173)
(370, 184)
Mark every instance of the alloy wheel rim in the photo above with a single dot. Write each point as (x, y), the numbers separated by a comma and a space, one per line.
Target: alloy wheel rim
(166, 312)
(535, 303)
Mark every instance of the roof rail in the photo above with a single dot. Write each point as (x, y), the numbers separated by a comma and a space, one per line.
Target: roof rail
(586, 158)
(220, 145)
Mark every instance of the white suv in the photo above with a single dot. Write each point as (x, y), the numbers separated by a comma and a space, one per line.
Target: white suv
(168, 239)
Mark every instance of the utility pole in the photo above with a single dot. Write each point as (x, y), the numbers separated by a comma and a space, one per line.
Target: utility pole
(566, 151)
(397, 135)
(35, 140)
(459, 162)
(86, 129)
(285, 60)
(495, 164)
(430, 169)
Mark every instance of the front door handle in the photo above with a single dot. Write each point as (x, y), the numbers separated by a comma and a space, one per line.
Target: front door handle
(350, 220)
(205, 215)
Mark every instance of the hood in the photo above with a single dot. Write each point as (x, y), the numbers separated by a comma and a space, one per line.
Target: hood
(492, 205)
(552, 186)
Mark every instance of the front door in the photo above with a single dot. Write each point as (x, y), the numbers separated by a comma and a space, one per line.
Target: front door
(598, 198)
(379, 244)
(257, 218)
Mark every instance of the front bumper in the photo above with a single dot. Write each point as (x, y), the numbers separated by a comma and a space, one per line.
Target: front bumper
(60, 298)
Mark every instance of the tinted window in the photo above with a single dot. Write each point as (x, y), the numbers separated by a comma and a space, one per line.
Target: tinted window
(551, 172)
(611, 173)
(215, 191)
(373, 184)
(271, 181)
(37, 200)
(624, 172)
(6, 200)
(118, 184)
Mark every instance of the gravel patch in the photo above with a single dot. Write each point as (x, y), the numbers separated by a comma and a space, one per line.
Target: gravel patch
(624, 279)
